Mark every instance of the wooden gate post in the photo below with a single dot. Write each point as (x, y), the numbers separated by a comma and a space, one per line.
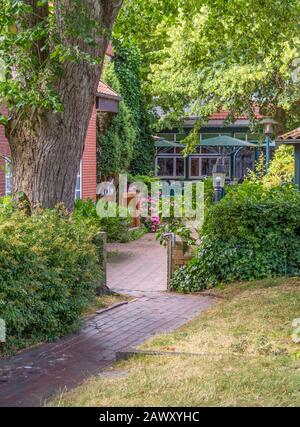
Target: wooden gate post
(104, 257)
(170, 248)
(101, 242)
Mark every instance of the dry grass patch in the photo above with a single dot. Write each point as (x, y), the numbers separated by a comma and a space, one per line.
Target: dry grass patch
(253, 318)
(256, 362)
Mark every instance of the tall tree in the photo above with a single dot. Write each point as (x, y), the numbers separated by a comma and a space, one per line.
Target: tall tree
(203, 55)
(232, 54)
(51, 55)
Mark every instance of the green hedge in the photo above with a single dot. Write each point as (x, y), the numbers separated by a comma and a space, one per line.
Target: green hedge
(49, 270)
(116, 228)
(251, 234)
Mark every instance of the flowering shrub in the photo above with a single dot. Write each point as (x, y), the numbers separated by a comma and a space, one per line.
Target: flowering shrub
(152, 221)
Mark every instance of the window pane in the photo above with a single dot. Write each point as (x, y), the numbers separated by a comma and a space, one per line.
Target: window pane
(180, 167)
(207, 166)
(208, 135)
(8, 178)
(195, 167)
(242, 136)
(165, 166)
(180, 136)
(78, 184)
(210, 150)
(164, 150)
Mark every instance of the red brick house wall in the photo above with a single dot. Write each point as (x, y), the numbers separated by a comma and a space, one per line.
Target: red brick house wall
(88, 161)
(4, 151)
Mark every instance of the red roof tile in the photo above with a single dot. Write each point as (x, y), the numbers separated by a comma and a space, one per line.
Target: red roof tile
(222, 115)
(293, 135)
(107, 91)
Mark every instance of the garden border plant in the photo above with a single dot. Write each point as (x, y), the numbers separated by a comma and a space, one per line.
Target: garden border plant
(253, 233)
(50, 268)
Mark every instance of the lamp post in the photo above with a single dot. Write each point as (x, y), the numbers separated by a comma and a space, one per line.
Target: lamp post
(268, 125)
(219, 175)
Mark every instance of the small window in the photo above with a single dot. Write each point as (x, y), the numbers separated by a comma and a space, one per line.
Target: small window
(170, 167)
(8, 178)
(195, 167)
(242, 136)
(78, 189)
(165, 167)
(180, 167)
(204, 136)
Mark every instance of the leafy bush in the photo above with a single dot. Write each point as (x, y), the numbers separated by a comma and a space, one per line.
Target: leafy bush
(183, 227)
(128, 69)
(116, 228)
(281, 171)
(145, 179)
(49, 270)
(251, 234)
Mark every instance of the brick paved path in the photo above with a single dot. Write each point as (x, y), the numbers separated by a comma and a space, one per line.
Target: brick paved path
(137, 268)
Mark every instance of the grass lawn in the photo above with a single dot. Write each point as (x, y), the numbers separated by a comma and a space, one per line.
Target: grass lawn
(250, 357)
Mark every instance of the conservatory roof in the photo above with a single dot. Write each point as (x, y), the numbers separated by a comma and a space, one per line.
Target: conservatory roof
(163, 143)
(226, 141)
(219, 141)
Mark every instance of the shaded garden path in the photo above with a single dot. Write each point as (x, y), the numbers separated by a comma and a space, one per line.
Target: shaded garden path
(138, 269)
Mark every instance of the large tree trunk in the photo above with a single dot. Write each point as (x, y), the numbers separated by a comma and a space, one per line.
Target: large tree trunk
(47, 146)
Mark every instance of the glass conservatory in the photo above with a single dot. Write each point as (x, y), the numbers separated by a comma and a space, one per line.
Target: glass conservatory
(238, 156)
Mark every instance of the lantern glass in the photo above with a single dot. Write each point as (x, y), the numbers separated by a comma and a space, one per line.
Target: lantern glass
(268, 125)
(219, 176)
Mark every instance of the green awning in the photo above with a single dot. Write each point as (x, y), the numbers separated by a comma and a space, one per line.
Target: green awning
(226, 141)
(163, 143)
(219, 141)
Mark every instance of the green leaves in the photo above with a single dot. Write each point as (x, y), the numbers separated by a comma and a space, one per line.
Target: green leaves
(251, 234)
(36, 42)
(49, 269)
(205, 55)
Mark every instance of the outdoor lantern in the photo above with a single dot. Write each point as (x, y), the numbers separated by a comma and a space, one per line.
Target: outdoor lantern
(268, 124)
(219, 175)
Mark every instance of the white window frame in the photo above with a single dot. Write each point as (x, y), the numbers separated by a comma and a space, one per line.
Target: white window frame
(78, 191)
(190, 167)
(174, 176)
(201, 157)
(8, 177)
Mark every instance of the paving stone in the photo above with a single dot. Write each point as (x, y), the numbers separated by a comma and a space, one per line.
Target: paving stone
(33, 376)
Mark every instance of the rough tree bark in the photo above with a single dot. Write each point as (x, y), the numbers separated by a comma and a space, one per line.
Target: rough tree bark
(47, 146)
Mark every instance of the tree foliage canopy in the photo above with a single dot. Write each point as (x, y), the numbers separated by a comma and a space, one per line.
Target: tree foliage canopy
(212, 54)
(37, 39)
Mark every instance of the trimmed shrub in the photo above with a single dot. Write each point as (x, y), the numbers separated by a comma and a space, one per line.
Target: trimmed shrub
(251, 234)
(49, 270)
(116, 228)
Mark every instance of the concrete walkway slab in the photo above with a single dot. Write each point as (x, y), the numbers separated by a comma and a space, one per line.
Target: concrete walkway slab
(137, 268)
